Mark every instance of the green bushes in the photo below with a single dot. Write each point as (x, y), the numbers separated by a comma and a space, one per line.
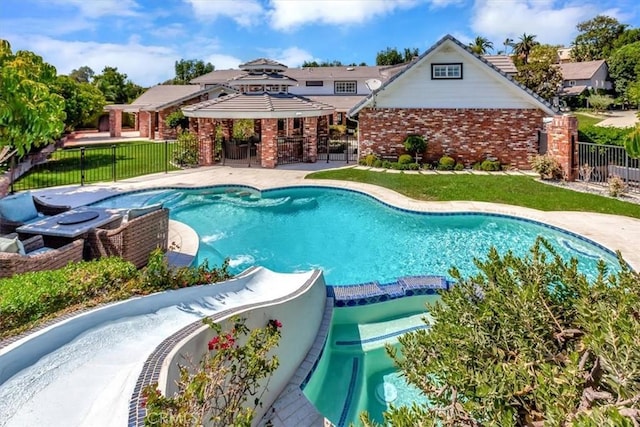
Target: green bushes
(30, 297)
(405, 159)
(490, 165)
(604, 135)
(446, 163)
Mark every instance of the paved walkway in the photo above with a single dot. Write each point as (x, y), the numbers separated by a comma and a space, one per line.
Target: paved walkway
(612, 231)
(619, 118)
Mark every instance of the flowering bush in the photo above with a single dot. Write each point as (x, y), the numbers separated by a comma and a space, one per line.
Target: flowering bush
(547, 166)
(216, 392)
(617, 186)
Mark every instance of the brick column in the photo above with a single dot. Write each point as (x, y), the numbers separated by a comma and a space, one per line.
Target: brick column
(268, 143)
(143, 124)
(288, 127)
(152, 125)
(115, 123)
(227, 129)
(562, 143)
(194, 124)
(310, 132)
(136, 121)
(323, 125)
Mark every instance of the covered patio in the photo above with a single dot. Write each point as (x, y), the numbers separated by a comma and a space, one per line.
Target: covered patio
(286, 127)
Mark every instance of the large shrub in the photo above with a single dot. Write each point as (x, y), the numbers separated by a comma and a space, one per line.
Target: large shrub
(187, 152)
(546, 166)
(528, 341)
(415, 144)
(446, 163)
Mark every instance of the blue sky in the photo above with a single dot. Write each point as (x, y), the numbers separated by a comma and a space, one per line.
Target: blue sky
(143, 38)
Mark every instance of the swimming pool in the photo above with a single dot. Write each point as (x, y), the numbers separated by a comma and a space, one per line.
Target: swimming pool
(352, 237)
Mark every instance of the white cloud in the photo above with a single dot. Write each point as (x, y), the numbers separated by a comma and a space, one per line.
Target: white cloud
(291, 57)
(143, 64)
(223, 62)
(551, 21)
(52, 27)
(288, 15)
(244, 12)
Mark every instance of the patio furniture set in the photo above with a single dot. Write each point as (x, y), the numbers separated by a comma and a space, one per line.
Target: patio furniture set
(36, 236)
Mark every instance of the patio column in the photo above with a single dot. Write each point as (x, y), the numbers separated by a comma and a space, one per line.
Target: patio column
(227, 129)
(268, 143)
(562, 134)
(115, 123)
(194, 125)
(136, 121)
(152, 124)
(143, 124)
(310, 126)
(323, 125)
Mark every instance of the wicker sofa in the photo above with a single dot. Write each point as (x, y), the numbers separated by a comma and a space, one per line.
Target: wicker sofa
(34, 260)
(7, 226)
(133, 240)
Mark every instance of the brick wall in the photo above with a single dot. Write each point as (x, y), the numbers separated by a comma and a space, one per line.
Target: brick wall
(468, 135)
(143, 124)
(268, 145)
(115, 123)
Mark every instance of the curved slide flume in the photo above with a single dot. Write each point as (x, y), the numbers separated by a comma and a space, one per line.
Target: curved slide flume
(82, 371)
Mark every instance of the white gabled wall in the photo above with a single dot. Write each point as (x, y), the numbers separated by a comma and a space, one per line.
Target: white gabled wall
(480, 86)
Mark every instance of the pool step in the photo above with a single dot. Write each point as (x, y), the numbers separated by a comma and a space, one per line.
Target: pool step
(371, 335)
(373, 292)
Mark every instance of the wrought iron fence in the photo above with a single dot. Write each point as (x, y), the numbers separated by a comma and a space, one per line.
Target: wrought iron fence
(597, 163)
(291, 149)
(343, 148)
(99, 163)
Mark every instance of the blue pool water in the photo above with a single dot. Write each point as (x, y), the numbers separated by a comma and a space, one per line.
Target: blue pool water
(353, 238)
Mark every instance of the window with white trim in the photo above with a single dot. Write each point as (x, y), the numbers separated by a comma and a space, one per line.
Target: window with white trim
(344, 87)
(446, 71)
(314, 83)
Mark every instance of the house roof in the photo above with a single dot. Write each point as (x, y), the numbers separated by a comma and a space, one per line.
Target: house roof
(258, 106)
(264, 78)
(380, 72)
(580, 70)
(342, 103)
(542, 103)
(572, 90)
(262, 62)
(163, 96)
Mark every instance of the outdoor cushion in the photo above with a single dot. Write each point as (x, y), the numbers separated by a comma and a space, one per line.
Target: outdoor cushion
(11, 246)
(40, 250)
(138, 212)
(18, 207)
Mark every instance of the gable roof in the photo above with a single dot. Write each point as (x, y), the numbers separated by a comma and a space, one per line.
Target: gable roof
(580, 70)
(507, 80)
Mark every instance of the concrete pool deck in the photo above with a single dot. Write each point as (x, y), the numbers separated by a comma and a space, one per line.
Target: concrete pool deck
(611, 231)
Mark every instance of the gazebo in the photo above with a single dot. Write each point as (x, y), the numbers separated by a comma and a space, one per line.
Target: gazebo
(283, 123)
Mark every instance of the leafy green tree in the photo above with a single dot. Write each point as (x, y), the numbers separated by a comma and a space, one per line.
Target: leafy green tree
(390, 56)
(541, 76)
(83, 74)
(632, 143)
(523, 47)
(31, 114)
(314, 63)
(115, 86)
(596, 38)
(481, 45)
(83, 102)
(508, 46)
(189, 69)
(628, 36)
(624, 67)
(527, 341)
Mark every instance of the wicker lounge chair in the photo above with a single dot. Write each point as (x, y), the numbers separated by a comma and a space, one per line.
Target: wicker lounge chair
(133, 240)
(7, 226)
(34, 260)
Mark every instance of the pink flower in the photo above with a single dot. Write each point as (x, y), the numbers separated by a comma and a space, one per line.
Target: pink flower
(275, 323)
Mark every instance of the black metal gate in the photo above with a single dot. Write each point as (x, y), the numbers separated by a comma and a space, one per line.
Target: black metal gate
(343, 148)
(291, 149)
(240, 152)
(542, 142)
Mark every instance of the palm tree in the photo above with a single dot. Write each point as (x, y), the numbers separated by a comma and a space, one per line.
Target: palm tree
(480, 45)
(508, 44)
(525, 45)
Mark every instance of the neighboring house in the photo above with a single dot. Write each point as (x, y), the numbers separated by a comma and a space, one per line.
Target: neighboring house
(462, 104)
(564, 55)
(581, 76)
(341, 87)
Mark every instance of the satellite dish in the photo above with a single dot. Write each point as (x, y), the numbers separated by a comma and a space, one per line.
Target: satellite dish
(373, 84)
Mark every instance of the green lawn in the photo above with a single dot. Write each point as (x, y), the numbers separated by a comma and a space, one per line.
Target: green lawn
(585, 120)
(131, 159)
(513, 190)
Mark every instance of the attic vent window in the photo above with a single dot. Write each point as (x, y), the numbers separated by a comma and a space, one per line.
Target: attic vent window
(446, 71)
(314, 83)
